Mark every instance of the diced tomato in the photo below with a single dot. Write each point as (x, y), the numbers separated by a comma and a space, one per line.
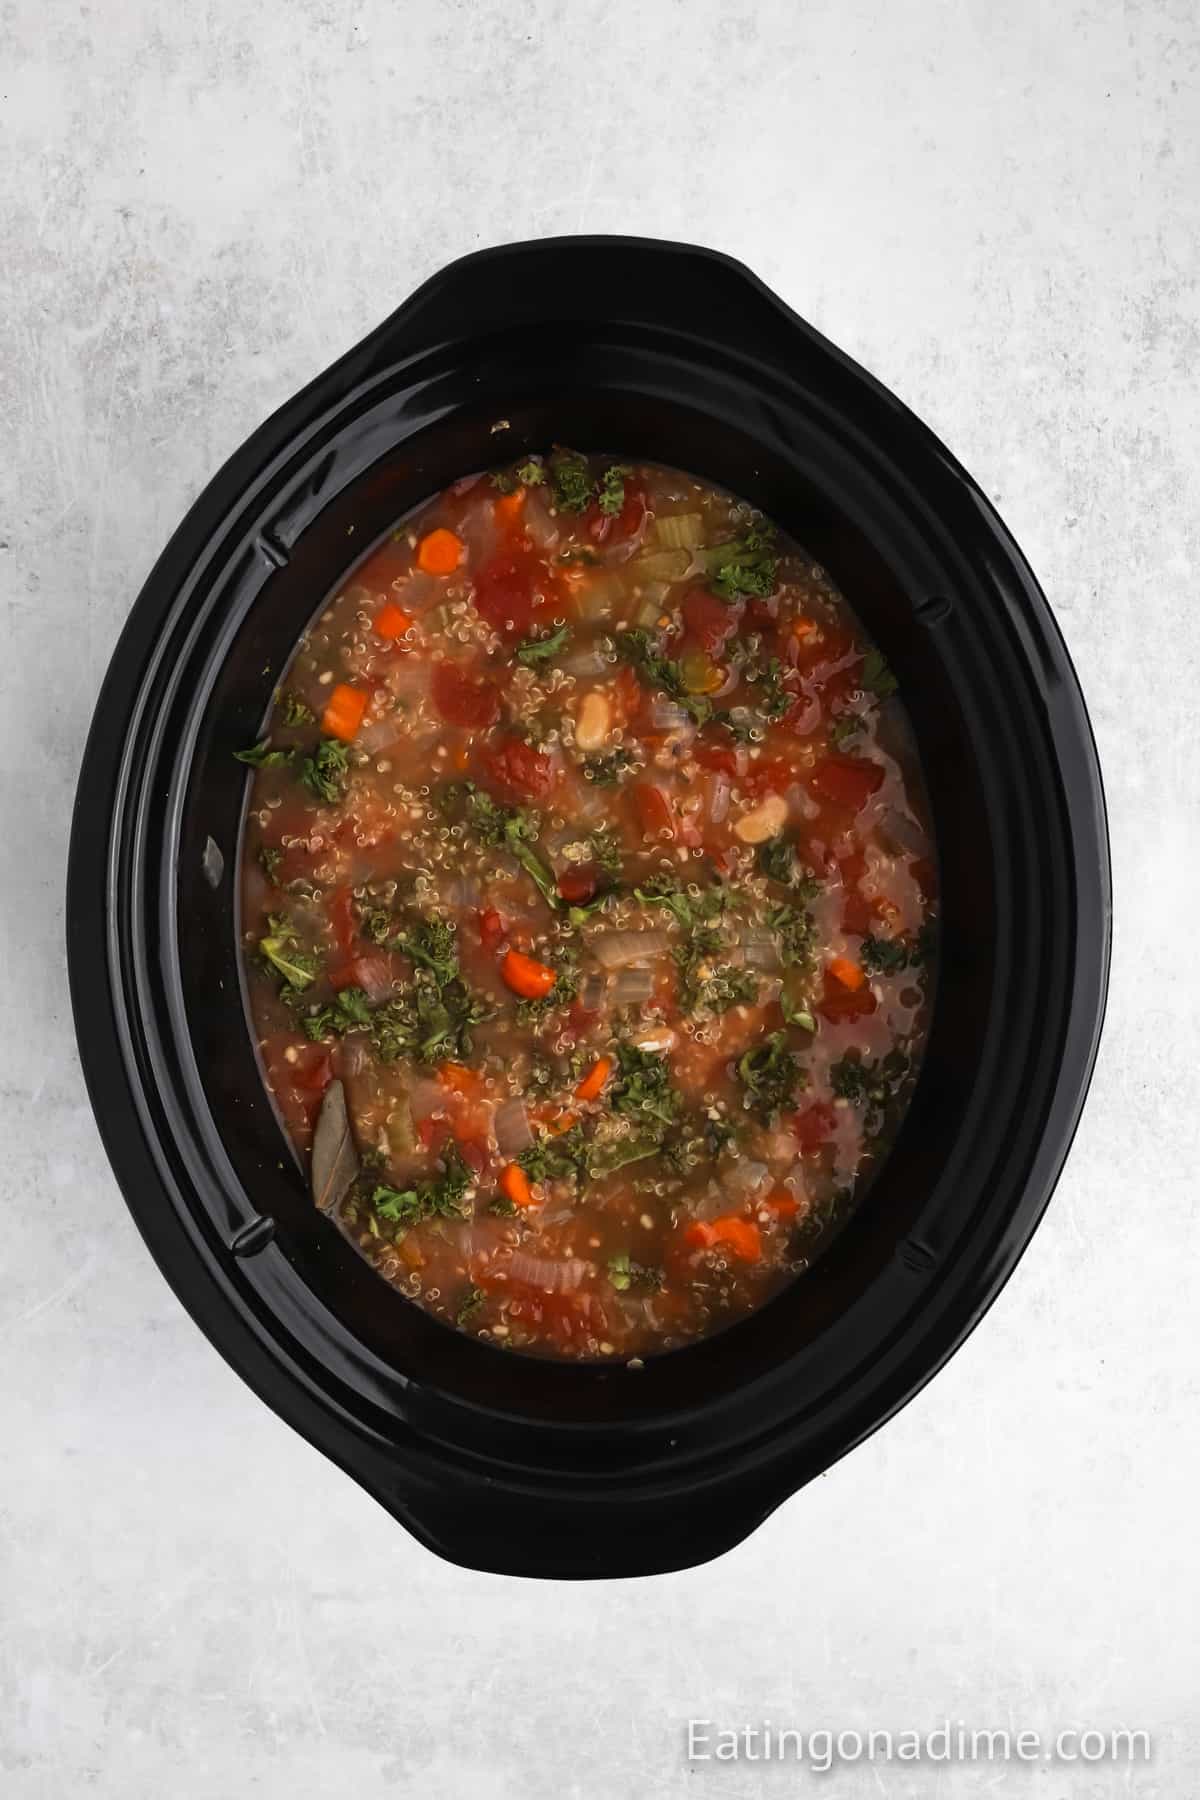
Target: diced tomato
(741, 1236)
(504, 590)
(372, 973)
(474, 1153)
(710, 621)
(652, 809)
(578, 885)
(814, 1126)
(312, 1070)
(847, 781)
(492, 929)
(722, 757)
(464, 699)
(433, 1133)
(761, 614)
(518, 771)
(782, 1202)
(629, 694)
(460, 1079)
(615, 528)
(857, 913)
(581, 1018)
(769, 775)
(340, 909)
(839, 1003)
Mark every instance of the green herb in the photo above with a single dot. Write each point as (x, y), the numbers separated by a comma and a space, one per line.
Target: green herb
(469, 1305)
(847, 725)
(868, 1084)
(688, 908)
(642, 1089)
(439, 1197)
(263, 757)
(511, 829)
(543, 649)
(504, 483)
(270, 857)
(531, 473)
(624, 1274)
(640, 650)
(296, 711)
(876, 677)
(772, 698)
(883, 956)
(793, 929)
(375, 923)
(718, 1134)
(745, 565)
(776, 859)
(606, 849)
(533, 1012)
(771, 1076)
(280, 948)
(706, 982)
(323, 772)
(347, 1012)
(572, 481)
(556, 1158)
(795, 1014)
(612, 1150)
(503, 1207)
(612, 488)
(606, 771)
(431, 944)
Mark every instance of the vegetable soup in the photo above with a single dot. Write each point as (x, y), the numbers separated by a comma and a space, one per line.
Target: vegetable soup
(588, 906)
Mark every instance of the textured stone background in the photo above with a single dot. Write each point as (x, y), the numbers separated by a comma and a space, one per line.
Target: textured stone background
(994, 207)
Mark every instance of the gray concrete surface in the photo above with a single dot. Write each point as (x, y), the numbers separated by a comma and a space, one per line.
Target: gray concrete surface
(996, 209)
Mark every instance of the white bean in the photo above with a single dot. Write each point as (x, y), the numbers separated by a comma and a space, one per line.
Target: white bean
(763, 821)
(593, 723)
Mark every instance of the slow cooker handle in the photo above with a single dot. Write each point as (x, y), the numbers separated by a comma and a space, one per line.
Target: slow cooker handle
(589, 281)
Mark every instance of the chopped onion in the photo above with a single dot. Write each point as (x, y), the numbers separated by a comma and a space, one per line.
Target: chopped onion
(902, 833)
(718, 799)
(679, 531)
(632, 987)
(745, 1178)
(585, 664)
(554, 1275)
(619, 949)
(591, 995)
(463, 893)
(666, 716)
(513, 1133)
(762, 956)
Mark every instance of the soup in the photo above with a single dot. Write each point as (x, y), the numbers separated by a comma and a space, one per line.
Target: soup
(588, 904)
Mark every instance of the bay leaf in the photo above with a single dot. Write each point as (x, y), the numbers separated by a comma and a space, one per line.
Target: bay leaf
(334, 1158)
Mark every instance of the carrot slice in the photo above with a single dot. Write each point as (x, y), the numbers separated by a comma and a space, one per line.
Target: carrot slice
(439, 552)
(391, 621)
(344, 712)
(563, 1121)
(459, 1079)
(739, 1235)
(526, 976)
(847, 972)
(593, 1082)
(514, 1182)
(509, 507)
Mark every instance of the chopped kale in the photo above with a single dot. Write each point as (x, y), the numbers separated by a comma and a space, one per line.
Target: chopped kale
(348, 1011)
(439, 1197)
(625, 1274)
(323, 773)
(263, 757)
(531, 473)
(876, 677)
(612, 488)
(606, 771)
(556, 1157)
(508, 828)
(270, 856)
(776, 859)
(793, 928)
(470, 1304)
(431, 944)
(280, 947)
(639, 649)
(745, 565)
(642, 1089)
(869, 1084)
(542, 649)
(771, 1076)
(607, 851)
(883, 956)
(845, 726)
(572, 481)
(566, 986)
(296, 711)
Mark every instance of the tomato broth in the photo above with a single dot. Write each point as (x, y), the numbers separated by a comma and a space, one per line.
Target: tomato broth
(588, 907)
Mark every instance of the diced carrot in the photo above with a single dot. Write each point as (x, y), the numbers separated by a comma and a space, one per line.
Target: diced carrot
(593, 1082)
(439, 552)
(509, 507)
(741, 1236)
(459, 1079)
(344, 712)
(847, 972)
(514, 1182)
(391, 621)
(526, 976)
(563, 1121)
